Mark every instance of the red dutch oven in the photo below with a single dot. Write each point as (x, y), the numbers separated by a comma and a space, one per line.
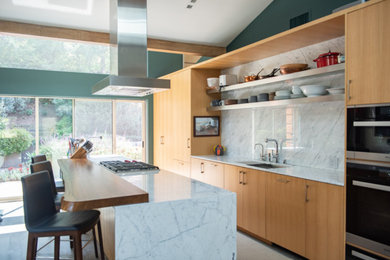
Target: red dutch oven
(327, 59)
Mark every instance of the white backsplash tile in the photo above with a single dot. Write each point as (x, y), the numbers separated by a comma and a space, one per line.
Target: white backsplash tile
(309, 134)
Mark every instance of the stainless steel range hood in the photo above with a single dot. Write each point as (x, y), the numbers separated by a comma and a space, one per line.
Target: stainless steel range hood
(128, 53)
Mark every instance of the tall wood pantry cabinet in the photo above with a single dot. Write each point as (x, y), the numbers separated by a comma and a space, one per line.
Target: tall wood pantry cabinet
(173, 114)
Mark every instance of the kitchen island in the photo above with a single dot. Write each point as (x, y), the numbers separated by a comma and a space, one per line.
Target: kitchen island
(183, 218)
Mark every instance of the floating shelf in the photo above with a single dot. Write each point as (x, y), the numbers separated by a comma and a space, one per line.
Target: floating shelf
(285, 102)
(333, 69)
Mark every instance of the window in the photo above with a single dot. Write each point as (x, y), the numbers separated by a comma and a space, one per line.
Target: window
(30, 126)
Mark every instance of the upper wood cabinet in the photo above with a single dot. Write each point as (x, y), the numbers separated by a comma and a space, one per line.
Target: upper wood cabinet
(286, 212)
(368, 55)
(249, 185)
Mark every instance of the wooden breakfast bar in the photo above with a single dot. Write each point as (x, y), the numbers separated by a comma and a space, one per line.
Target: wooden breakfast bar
(90, 186)
(153, 216)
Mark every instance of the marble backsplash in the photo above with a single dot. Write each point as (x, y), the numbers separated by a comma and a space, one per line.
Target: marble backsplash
(308, 134)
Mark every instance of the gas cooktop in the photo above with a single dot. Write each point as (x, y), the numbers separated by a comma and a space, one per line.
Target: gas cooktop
(132, 167)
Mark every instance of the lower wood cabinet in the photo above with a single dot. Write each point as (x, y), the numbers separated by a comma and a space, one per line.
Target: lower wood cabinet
(286, 212)
(181, 167)
(249, 185)
(207, 172)
(306, 217)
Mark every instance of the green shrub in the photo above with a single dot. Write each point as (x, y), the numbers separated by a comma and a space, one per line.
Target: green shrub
(64, 126)
(3, 122)
(14, 140)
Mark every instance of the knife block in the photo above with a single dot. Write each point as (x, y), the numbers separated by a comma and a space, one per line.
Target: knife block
(80, 153)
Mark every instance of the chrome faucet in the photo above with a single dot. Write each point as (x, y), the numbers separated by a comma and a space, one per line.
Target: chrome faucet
(262, 154)
(276, 155)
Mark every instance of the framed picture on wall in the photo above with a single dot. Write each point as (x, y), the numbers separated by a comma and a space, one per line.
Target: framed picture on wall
(206, 126)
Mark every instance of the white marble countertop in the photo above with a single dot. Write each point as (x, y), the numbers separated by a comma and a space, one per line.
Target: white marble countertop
(330, 176)
(167, 186)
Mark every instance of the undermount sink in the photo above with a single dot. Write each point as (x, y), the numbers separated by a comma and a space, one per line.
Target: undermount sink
(264, 165)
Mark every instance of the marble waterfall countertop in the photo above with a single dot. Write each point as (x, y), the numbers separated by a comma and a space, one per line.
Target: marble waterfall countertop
(330, 176)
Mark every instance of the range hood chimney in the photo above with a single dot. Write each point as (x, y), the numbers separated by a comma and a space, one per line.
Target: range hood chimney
(128, 53)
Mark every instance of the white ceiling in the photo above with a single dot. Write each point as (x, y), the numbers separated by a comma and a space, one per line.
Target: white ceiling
(211, 22)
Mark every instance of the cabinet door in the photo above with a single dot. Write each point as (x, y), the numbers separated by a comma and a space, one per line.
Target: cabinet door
(253, 203)
(158, 134)
(214, 174)
(368, 55)
(181, 168)
(181, 115)
(197, 169)
(233, 180)
(285, 212)
(324, 221)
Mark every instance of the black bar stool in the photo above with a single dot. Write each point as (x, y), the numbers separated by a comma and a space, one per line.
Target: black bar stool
(38, 158)
(43, 220)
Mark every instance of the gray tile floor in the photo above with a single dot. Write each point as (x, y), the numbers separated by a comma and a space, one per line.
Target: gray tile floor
(13, 241)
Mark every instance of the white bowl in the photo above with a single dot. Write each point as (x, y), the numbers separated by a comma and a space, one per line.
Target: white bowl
(283, 93)
(314, 90)
(213, 82)
(335, 91)
(296, 90)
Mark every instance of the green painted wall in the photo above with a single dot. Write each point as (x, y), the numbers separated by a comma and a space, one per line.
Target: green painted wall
(276, 18)
(23, 82)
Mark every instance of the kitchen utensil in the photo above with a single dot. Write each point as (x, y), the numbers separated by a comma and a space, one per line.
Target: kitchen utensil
(314, 90)
(296, 90)
(335, 91)
(252, 99)
(263, 97)
(283, 93)
(252, 77)
(213, 82)
(242, 101)
(226, 80)
(230, 101)
(326, 59)
(291, 68)
(272, 74)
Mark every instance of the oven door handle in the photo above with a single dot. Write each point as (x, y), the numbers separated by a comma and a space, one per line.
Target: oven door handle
(371, 185)
(371, 123)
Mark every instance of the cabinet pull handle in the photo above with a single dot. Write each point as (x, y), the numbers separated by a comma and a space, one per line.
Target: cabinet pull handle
(283, 181)
(201, 167)
(239, 177)
(161, 139)
(188, 143)
(349, 89)
(243, 178)
(306, 193)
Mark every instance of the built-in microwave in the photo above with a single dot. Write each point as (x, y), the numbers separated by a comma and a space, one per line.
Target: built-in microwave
(368, 206)
(368, 132)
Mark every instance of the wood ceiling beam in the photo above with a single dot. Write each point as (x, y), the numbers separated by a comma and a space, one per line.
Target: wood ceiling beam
(104, 38)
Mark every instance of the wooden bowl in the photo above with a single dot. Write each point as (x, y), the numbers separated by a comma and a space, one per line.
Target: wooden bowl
(291, 68)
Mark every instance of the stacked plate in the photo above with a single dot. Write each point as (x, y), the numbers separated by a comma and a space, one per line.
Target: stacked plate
(314, 90)
(282, 94)
(336, 91)
(296, 92)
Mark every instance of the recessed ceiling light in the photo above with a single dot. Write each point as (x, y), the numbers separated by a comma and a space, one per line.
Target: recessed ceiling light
(193, 1)
(189, 6)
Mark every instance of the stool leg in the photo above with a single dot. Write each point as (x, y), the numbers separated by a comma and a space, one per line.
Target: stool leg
(94, 242)
(30, 247)
(78, 255)
(57, 248)
(100, 240)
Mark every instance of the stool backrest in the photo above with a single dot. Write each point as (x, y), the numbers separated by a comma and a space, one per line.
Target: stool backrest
(45, 166)
(37, 198)
(38, 158)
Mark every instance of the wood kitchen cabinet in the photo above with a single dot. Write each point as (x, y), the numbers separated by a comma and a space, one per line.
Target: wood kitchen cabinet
(285, 212)
(249, 185)
(368, 55)
(174, 110)
(208, 172)
(324, 221)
